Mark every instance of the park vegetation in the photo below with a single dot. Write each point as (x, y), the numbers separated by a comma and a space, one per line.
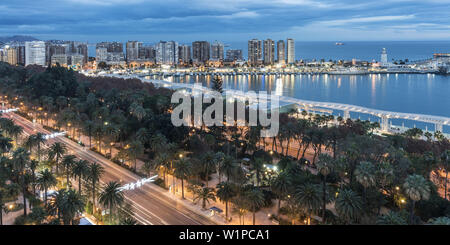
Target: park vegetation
(318, 170)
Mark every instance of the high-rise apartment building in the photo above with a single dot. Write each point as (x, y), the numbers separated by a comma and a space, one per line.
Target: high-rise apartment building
(35, 53)
(132, 48)
(200, 51)
(55, 49)
(60, 59)
(290, 51)
(281, 52)
(3, 55)
(167, 52)
(21, 55)
(76, 59)
(82, 49)
(12, 55)
(184, 53)
(111, 47)
(147, 53)
(101, 54)
(109, 52)
(254, 51)
(217, 51)
(269, 51)
(234, 55)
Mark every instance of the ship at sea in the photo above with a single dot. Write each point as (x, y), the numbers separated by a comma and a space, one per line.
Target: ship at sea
(348, 71)
(339, 44)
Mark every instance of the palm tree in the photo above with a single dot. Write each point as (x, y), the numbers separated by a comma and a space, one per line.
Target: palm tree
(16, 130)
(46, 180)
(205, 195)
(128, 221)
(255, 200)
(391, 218)
(240, 207)
(280, 186)
(228, 167)
(73, 203)
(226, 192)
(80, 169)
(440, 221)
(293, 210)
(384, 174)
(325, 167)
(134, 150)
(5, 144)
(163, 161)
(445, 162)
(37, 141)
(29, 143)
(182, 171)
(258, 167)
(2, 205)
(416, 188)
(56, 152)
(220, 158)
(94, 173)
(88, 128)
(365, 175)
(111, 197)
(67, 163)
(209, 163)
(143, 135)
(137, 110)
(348, 205)
(308, 197)
(33, 165)
(54, 207)
(20, 161)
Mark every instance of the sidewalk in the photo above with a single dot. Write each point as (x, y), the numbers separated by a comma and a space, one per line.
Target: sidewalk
(261, 217)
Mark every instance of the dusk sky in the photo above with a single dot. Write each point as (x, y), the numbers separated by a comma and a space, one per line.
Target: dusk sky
(227, 20)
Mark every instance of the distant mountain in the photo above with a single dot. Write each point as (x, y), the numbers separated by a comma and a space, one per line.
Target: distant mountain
(17, 38)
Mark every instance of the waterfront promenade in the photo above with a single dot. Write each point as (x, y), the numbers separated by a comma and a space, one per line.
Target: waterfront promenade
(440, 123)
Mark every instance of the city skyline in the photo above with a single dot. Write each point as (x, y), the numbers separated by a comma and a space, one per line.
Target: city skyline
(304, 20)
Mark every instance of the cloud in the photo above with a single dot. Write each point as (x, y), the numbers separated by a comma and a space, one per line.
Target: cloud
(372, 19)
(105, 2)
(232, 19)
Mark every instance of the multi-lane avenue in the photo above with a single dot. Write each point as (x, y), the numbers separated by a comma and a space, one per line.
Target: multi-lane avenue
(150, 204)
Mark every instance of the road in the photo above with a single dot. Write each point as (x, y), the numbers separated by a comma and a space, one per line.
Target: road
(150, 205)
